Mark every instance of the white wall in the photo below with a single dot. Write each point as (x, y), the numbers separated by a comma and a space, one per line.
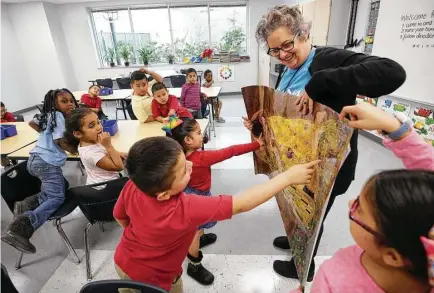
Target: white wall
(79, 40)
(60, 44)
(338, 26)
(39, 53)
(16, 90)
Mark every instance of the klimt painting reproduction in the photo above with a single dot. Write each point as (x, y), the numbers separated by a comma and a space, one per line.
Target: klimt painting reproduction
(294, 138)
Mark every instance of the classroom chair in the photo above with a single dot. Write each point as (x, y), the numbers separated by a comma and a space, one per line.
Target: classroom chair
(40, 107)
(7, 285)
(106, 82)
(175, 80)
(96, 201)
(131, 112)
(18, 117)
(112, 286)
(18, 184)
(124, 83)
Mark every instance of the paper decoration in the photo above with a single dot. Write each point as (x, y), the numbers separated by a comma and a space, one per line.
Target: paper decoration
(170, 123)
(226, 73)
(293, 138)
(423, 123)
(364, 99)
(391, 106)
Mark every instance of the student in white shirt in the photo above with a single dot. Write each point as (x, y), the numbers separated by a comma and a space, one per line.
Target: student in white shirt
(101, 160)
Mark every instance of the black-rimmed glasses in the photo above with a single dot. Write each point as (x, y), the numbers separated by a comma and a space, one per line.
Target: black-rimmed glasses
(286, 46)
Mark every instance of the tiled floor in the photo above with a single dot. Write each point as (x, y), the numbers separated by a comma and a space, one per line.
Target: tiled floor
(242, 257)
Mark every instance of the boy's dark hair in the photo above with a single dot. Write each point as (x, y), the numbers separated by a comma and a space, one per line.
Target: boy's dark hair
(190, 70)
(74, 123)
(3, 105)
(181, 131)
(49, 107)
(138, 75)
(150, 162)
(207, 72)
(403, 206)
(158, 86)
(93, 86)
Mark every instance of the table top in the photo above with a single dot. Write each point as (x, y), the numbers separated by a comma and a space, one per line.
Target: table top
(211, 92)
(116, 96)
(25, 135)
(129, 132)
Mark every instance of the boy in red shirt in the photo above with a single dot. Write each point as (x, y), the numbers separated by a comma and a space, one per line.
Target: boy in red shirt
(93, 101)
(165, 105)
(160, 220)
(6, 116)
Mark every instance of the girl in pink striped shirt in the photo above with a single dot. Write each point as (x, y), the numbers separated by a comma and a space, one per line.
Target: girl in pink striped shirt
(387, 220)
(190, 94)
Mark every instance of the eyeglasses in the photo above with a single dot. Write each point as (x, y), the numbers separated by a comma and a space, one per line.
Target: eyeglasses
(286, 46)
(353, 210)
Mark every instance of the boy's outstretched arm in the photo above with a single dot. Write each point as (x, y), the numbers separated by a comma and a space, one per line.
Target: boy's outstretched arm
(257, 195)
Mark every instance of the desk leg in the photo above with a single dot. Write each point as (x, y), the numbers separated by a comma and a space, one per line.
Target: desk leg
(211, 118)
(123, 109)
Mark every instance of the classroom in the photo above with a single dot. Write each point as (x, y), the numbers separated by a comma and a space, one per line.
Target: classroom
(132, 146)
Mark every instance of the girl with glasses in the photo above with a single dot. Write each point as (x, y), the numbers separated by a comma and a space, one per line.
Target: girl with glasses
(391, 220)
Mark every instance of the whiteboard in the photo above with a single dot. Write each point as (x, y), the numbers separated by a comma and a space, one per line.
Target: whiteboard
(405, 33)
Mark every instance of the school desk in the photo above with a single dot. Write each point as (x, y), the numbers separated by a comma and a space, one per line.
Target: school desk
(129, 132)
(25, 136)
(162, 73)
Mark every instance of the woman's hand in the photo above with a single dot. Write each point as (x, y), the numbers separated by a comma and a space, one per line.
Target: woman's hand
(304, 104)
(366, 116)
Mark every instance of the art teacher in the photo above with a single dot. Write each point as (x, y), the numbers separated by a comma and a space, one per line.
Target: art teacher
(330, 76)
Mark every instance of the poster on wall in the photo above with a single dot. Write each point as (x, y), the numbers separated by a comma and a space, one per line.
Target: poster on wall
(391, 106)
(226, 73)
(423, 123)
(364, 99)
(293, 138)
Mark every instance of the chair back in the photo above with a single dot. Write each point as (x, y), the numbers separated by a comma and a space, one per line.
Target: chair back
(106, 82)
(19, 118)
(124, 83)
(113, 286)
(97, 201)
(175, 80)
(131, 112)
(6, 282)
(40, 107)
(18, 184)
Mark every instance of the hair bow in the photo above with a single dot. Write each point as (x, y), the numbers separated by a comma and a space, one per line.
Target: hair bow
(428, 244)
(170, 123)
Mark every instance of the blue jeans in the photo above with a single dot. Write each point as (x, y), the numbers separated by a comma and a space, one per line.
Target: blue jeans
(52, 192)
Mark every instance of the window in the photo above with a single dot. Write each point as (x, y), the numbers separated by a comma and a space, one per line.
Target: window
(131, 34)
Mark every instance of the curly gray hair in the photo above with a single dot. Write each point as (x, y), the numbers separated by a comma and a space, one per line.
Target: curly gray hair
(282, 15)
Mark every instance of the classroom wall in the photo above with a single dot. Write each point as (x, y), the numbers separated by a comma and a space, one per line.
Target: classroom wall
(37, 48)
(16, 90)
(338, 26)
(59, 41)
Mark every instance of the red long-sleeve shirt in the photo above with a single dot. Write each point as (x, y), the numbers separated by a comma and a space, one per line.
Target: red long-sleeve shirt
(91, 101)
(9, 117)
(172, 103)
(203, 160)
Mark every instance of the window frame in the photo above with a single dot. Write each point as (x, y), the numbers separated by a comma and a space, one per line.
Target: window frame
(168, 6)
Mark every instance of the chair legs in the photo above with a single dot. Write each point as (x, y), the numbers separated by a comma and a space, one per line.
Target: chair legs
(101, 226)
(87, 251)
(58, 224)
(80, 165)
(18, 262)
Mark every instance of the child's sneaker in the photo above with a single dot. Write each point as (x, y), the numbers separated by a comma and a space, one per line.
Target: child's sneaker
(18, 234)
(220, 120)
(207, 239)
(197, 271)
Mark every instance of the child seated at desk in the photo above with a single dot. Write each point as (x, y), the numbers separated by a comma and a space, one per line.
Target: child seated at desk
(93, 101)
(141, 99)
(165, 105)
(45, 162)
(101, 160)
(6, 116)
(190, 94)
(216, 106)
(160, 220)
